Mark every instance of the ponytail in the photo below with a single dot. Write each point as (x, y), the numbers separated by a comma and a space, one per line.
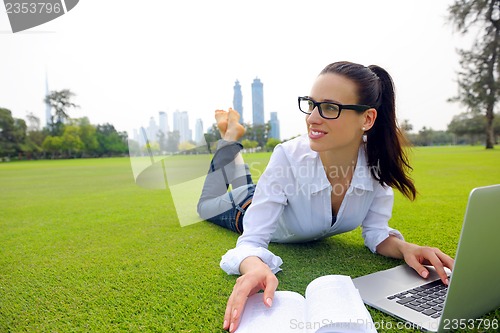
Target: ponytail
(386, 145)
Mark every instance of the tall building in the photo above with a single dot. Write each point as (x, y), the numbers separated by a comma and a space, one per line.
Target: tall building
(198, 131)
(139, 137)
(163, 123)
(181, 124)
(275, 126)
(152, 130)
(238, 100)
(257, 102)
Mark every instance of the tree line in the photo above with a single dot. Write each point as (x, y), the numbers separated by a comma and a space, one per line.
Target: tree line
(464, 129)
(62, 137)
(66, 137)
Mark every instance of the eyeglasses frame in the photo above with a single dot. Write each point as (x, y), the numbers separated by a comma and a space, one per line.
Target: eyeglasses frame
(355, 107)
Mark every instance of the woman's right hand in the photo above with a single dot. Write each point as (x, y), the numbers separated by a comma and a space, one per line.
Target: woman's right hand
(256, 276)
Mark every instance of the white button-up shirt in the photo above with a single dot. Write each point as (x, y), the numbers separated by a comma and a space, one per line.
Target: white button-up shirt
(292, 203)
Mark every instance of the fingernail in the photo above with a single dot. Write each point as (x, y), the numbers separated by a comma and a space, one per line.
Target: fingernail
(231, 327)
(225, 324)
(446, 282)
(269, 301)
(425, 274)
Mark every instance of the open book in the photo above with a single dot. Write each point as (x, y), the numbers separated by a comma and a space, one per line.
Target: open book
(332, 304)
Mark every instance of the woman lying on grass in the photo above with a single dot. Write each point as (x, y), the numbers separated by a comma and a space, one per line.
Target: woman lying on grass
(337, 177)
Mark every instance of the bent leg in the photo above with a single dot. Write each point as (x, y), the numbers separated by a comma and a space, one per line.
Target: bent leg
(227, 168)
(228, 210)
(216, 204)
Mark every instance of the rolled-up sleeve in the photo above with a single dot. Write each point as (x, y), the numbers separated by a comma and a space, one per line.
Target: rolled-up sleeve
(260, 220)
(376, 223)
(231, 261)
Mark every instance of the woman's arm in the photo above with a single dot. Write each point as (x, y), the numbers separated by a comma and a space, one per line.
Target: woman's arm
(261, 217)
(382, 239)
(416, 256)
(256, 276)
(251, 258)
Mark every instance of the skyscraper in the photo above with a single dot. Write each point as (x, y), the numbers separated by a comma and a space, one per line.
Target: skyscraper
(181, 124)
(238, 100)
(163, 122)
(152, 130)
(257, 102)
(275, 126)
(198, 131)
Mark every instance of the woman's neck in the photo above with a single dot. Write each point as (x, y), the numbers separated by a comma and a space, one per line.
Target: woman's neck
(340, 164)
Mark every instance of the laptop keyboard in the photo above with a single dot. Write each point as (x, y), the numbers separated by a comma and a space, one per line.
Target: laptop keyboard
(427, 299)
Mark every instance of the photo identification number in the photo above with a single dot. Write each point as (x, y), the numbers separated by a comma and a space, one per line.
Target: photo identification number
(471, 324)
(32, 8)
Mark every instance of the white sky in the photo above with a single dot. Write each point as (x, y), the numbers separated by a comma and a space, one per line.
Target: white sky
(127, 60)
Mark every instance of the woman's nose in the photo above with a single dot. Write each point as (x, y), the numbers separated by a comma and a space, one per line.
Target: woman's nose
(314, 117)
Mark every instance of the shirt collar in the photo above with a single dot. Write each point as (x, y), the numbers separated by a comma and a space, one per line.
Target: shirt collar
(362, 178)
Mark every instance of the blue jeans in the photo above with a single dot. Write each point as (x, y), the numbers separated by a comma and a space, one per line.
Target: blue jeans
(217, 204)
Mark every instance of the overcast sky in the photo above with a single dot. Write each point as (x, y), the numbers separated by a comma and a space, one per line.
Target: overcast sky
(128, 60)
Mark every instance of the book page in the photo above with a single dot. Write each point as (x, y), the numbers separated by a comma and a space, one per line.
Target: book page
(333, 304)
(286, 315)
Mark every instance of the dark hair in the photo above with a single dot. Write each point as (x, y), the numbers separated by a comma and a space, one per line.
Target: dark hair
(387, 157)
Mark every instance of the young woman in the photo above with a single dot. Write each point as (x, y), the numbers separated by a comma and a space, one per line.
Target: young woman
(337, 177)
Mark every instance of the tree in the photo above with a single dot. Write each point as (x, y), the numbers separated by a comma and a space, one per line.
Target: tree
(479, 78)
(71, 141)
(467, 124)
(249, 144)
(470, 126)
(61, 102)
(12, 133)
(87, 134)
(271, 143)
(257, 133)
(406, 127)
(173, 139)
(52, 144)
(32, 145)
(162, 141)
(186, 146)
(110, 141)
(33, 122)
(496, 127)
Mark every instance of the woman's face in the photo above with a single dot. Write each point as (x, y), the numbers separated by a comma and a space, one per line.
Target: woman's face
(335, 134)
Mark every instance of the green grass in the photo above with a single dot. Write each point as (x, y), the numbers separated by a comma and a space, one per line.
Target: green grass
(84, 249)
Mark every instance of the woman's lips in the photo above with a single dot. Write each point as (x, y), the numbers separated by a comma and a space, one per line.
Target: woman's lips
(316, 134)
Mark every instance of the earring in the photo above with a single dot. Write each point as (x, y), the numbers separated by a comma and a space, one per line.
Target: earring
(365, 137)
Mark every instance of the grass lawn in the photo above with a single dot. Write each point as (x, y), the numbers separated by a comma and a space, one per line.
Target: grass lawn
(84, 249)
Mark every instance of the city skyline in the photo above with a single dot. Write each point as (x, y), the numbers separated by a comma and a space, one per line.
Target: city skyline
(181, 123)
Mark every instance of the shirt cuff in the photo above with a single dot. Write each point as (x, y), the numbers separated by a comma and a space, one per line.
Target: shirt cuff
(231, 261)
(372, 243)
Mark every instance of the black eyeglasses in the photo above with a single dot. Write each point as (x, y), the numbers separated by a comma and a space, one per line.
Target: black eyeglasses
(328, 110)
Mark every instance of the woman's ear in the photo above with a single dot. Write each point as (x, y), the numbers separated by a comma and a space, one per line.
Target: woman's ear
(369, 117)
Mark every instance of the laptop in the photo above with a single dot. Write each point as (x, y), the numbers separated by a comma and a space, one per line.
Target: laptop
(474, 287)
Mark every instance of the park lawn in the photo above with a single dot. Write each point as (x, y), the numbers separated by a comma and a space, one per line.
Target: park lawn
(84, 249)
